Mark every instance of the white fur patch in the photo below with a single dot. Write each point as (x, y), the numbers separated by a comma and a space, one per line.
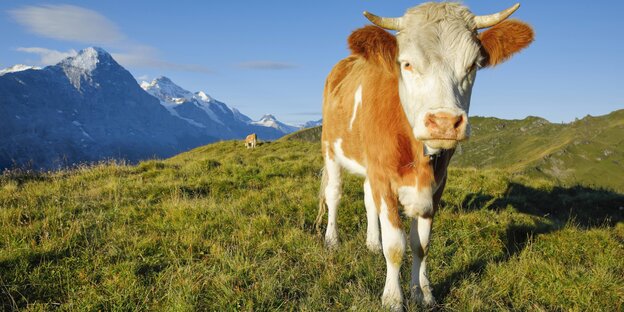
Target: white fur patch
(420, 287)
(349, 164)
(431, 150)
(416, 202)
(372, 216)
(393, 241)
(357, 101)
(332, 198)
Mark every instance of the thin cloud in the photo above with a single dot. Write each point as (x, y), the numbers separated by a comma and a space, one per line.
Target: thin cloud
(146, 61)
(69, 23)
(48, 56)
(77, 24)
(266, 65)
(306, 113)
(135, 59)
(143, 78)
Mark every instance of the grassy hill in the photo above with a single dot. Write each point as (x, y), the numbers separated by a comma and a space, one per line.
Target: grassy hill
(589, 151)
(223, 228)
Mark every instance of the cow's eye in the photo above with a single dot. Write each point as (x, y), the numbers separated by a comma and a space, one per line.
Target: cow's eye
(407, 66)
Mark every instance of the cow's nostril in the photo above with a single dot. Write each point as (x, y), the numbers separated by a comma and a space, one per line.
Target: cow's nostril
(431, 121)
(459, 122)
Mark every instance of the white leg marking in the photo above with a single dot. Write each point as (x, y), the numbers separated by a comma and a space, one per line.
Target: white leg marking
(372, 217)
(416, 202)
(393, 241)
(357, 101)
(419, 240)
(349, 164)
(332, 198)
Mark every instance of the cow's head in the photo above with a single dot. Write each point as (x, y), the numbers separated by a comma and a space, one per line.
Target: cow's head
(439, 52)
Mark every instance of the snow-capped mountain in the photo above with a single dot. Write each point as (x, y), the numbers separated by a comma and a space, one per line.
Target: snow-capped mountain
(201, 110)
(85, 108)
(17, 68)
(89, 108)
(270, 121)
(312, 124)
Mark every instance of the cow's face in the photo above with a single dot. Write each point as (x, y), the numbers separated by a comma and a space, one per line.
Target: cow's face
(439, 54)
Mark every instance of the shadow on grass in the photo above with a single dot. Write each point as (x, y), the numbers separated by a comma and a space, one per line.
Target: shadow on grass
(18, 290)
(585, 207)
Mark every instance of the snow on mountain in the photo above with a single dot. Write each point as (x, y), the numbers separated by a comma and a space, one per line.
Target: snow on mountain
(88, 108)
(312, 123)
(85, 108)
(165, 90)
(18, 68)
(87, 60)
(200, 109)
(270, 121)
(172, 96)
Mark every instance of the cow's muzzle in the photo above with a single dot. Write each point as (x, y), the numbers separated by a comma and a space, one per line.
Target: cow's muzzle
(445, 130)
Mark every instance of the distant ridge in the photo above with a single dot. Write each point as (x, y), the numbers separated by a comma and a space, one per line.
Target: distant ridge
(589, 150)
(201, 110)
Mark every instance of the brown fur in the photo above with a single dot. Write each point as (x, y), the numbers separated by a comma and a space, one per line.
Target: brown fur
(374, 44)
(504, 40)
(381, 138)
(251, 140)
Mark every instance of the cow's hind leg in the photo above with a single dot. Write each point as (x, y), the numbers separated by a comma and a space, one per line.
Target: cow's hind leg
(332, 190)
(372, 216)
(419, 241)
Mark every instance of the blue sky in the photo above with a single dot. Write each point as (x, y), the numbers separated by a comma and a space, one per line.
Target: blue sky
(273, 56)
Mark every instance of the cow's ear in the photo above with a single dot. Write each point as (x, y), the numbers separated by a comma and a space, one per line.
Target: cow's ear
(504, 40)
(374, 44)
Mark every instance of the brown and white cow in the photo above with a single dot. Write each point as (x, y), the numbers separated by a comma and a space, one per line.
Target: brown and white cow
(251, 140)
(394, 111)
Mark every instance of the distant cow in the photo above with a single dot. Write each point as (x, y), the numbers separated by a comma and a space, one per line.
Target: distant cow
(394, 111)
(251, 140)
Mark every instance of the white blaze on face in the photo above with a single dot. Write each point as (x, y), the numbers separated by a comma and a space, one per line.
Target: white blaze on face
(438, 61)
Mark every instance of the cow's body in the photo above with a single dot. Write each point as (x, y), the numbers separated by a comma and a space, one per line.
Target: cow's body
(251, 140)
(367, 131)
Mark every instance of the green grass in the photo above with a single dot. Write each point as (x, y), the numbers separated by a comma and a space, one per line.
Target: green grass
(223, 228)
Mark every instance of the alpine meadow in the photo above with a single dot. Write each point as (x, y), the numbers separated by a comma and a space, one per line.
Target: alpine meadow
(311, 156)
(225, 228)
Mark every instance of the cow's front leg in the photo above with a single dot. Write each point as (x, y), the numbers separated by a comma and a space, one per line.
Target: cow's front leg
(332, 197)
(393, 240)
(372, 216)
(419, 241)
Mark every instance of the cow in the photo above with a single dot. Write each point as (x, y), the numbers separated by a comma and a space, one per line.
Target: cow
(251, 140)
(393, 113)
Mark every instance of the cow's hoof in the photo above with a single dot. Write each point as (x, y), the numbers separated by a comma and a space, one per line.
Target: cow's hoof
(393, 306)
(424, 299)
(392, 301)
(331, 243)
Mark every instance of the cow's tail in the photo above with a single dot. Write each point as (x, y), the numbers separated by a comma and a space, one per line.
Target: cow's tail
(322, 203)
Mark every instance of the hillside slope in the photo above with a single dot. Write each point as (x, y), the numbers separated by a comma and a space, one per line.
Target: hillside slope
(589, 151)
(223, 228)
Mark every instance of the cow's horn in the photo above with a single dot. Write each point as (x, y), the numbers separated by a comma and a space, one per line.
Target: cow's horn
(485, 21)
(392, 23)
